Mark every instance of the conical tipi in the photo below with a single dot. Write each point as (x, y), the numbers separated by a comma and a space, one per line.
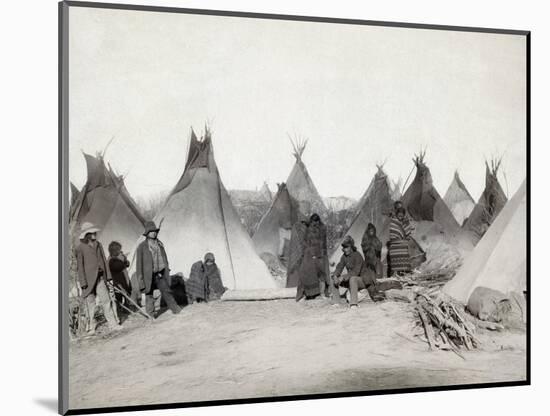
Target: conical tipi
(266, 192)
(273, 233)
(499, 260)
(198, 217)
(424, 203)
(374, 207)
(490, 203)
(105, 202)
(396, 189)
(300, 185)
(459, 200)
(436, 228)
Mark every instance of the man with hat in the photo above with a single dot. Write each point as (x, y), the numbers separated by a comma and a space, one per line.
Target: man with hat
(357, 276)
(152, 270)
(93, 273)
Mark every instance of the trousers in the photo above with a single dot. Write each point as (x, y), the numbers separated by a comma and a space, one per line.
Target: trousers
(102, 293)
(357, 283)
(159, 282)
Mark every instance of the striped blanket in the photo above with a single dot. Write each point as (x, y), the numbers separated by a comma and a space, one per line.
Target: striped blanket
(398, 247)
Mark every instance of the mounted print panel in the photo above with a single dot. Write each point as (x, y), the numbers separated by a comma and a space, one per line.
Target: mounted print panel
(264, 207)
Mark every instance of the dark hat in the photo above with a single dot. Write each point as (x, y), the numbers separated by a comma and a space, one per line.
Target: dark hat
(150, 226)
(348, 241)
(209, 256)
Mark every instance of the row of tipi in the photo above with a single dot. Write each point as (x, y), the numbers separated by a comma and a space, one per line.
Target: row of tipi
(198, 215)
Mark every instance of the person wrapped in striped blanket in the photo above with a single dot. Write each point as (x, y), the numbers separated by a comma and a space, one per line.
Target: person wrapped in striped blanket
(398, 246)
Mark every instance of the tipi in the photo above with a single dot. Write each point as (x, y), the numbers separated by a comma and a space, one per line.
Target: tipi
(300, 185)
(374, 207)
(499, 260)
(273, 233)
(490, 203)
(424, 203)
(198, 217)
(396, 190)
(266, 192)
(105, 202)
(459, 200)
(436, 228)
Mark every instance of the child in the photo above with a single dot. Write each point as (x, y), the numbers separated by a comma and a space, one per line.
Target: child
(118, 265)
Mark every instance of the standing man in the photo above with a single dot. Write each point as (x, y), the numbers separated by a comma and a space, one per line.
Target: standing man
(93, 273)
(313, 277)
(152, 270)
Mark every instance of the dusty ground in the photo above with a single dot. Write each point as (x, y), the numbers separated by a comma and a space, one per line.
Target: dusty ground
(227, 350)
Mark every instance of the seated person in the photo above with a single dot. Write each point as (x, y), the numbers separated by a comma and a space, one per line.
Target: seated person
(358, 276)
(205, 281)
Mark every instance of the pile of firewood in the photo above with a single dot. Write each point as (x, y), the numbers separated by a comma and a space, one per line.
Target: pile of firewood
(445, 327)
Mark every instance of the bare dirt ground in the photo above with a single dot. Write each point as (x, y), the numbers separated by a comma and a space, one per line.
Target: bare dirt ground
(229, 350)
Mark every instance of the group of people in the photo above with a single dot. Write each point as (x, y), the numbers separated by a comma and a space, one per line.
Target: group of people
(308, 264)
(105, 281)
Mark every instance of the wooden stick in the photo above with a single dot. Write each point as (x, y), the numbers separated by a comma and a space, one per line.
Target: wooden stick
(453, 346)
(427, 327)
(130, 300)
(127, 309)
(445, 321)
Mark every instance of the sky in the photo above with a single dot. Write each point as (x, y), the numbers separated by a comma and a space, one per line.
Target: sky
(361, 95)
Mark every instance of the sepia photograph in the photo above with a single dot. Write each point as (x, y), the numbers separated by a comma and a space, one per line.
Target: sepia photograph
(267, 207)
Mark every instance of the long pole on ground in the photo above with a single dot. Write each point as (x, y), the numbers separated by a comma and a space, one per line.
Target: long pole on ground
(116, 289)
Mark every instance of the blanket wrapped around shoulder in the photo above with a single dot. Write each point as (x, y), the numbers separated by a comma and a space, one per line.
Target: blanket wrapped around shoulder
(204, 283)
(398, 246)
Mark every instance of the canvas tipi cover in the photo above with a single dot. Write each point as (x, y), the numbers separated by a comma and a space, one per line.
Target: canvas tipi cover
(105, 202)
(198, 217)
(277, 223)
(266, 192)
(396, 190)
(301, 186)
(499, 260)
(374, 207)
(459, 200)
(435, 226)
(424, 203)
(489, 205)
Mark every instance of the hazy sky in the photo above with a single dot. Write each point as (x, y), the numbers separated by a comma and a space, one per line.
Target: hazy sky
(361, 95)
